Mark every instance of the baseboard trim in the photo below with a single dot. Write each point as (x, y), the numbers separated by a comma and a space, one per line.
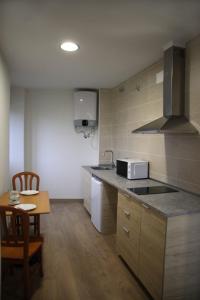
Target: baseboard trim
(65, 200)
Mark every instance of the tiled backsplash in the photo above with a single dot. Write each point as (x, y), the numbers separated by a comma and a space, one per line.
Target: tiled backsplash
(105, 124)
(173, 159)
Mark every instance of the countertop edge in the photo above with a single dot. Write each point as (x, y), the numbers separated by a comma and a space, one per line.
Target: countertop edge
(101, 175)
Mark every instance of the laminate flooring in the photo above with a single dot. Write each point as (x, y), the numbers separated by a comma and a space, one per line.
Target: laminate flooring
(79, 262)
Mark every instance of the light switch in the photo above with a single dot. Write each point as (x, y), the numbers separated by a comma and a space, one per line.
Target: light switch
(159, 77)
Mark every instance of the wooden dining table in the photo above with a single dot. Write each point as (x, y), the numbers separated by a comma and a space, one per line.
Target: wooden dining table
(41, 200)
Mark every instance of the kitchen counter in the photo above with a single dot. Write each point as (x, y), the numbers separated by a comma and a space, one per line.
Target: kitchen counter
(169, 204)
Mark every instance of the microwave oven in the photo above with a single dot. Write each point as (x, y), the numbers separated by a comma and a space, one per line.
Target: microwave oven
(132, 168)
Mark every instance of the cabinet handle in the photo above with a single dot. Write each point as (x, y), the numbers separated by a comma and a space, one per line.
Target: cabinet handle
(125, 229)
(127, 213)
(126, 195)
(145, 206)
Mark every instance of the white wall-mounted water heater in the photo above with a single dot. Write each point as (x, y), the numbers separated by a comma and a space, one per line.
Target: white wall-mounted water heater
(85, 112)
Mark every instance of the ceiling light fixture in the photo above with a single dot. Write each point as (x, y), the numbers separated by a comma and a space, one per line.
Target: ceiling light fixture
(69, 46)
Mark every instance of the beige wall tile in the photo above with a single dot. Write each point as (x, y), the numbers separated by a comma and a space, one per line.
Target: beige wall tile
(188, 170)
(138, 100)
(105, 123)
(106, 130)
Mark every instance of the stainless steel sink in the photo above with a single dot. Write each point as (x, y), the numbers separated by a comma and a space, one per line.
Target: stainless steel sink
(103, 167)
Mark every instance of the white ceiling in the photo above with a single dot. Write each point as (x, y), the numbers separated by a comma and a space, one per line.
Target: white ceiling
(117, 38)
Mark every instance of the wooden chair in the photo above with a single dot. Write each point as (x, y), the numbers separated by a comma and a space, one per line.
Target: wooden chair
(16, 248)
(28, 181)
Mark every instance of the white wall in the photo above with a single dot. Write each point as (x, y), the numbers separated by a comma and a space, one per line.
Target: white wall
(16, 150)
(52, 147)
(4, 126)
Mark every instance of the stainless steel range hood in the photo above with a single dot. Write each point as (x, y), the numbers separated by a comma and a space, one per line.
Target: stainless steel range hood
(173, 121)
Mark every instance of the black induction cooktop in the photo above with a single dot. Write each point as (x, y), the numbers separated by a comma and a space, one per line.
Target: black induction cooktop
(161, 189)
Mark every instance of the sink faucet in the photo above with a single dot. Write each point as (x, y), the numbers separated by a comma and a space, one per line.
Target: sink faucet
(110, 151)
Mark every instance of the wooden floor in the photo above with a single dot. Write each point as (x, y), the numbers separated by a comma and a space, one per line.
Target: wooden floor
(79, 263)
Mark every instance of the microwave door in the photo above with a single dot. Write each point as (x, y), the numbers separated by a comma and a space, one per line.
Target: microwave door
(139, 171)
(122, 168)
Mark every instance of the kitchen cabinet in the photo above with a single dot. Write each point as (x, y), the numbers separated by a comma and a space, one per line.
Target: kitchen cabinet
(163, 252)
(86, 185)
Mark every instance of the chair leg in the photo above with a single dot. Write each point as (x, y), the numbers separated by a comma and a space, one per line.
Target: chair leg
(37, 225)
(18, 225)
(11, 270)
(3, 270)
(41, 263)
(26, 280)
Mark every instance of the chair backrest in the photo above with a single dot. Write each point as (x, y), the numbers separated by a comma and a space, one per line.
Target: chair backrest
(26, 180)
(14, 228)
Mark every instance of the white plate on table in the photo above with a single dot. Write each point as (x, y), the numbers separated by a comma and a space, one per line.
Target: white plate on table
(26, 206)
(29, 192)
(14, 203)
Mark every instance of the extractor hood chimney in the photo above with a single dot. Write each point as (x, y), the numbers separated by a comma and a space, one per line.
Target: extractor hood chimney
(174, 120)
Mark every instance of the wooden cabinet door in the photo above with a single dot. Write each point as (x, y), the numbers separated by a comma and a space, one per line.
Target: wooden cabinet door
(86, 185)
(152, 252)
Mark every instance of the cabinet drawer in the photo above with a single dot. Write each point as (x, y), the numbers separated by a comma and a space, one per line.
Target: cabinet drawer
(126, 218)
(130, 208)
(128, 246)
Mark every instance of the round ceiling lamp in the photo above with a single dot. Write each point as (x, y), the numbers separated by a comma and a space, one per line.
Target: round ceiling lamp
(69, 46)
